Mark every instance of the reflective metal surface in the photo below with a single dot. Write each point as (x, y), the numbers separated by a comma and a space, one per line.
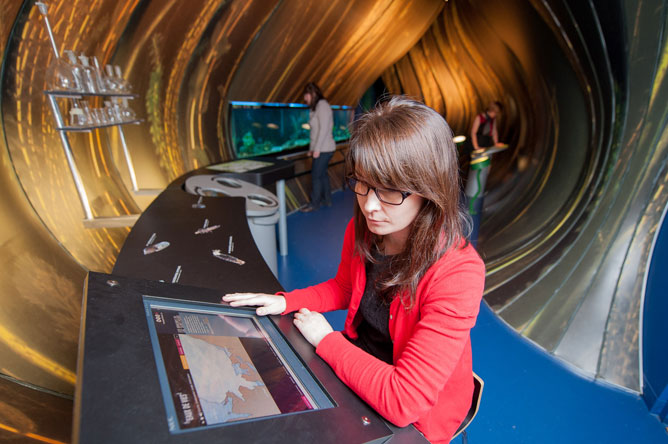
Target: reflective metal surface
(39, 294)
(571, 211)
(34, 145)
(348, 45)
(31, 415)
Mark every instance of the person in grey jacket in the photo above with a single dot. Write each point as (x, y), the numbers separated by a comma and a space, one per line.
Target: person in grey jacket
(321, 121)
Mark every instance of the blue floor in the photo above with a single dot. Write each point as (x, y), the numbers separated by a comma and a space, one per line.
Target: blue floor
(529, 396)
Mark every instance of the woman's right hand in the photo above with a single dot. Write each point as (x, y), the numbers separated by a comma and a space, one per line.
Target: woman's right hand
(269, 304)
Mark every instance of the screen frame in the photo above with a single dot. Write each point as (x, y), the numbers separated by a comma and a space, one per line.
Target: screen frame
(290, 360)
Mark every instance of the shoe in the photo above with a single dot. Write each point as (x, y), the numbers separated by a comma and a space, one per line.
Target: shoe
(308, 208)
(328, 203)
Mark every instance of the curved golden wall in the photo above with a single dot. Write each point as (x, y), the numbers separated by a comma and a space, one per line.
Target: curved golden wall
(465, 60)
(573, 206)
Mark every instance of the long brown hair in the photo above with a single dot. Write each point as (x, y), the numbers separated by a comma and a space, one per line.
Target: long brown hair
(405, 145)
(316, 93)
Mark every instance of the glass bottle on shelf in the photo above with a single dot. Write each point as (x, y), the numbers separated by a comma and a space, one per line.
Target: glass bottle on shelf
(87, 113)
(126, 112)
(60, 76)
(116, 106)
(76, 70)
(99, 116)
(94, 117)
(88, 75)
(77, 115)
(109, 110)
(112, 82)
(124, 84)
(103, 116)
(100, 81)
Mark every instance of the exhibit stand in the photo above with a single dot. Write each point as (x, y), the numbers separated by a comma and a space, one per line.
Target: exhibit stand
(135, 385)
(264, 172)
(262, 208)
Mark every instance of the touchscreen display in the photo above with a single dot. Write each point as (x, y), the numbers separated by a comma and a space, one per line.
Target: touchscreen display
(219, 365)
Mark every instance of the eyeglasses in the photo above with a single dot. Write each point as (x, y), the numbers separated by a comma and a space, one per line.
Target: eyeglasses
(390, 197)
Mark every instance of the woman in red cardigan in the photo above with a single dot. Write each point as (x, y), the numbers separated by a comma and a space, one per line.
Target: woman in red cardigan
(410, 281)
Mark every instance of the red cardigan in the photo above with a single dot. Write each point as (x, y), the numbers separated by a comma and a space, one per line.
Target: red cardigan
(431, 381)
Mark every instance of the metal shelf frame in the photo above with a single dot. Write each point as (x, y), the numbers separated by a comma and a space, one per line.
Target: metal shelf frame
(90, 221)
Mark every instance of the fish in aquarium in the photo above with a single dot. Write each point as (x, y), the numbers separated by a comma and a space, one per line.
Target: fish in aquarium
(259, 129)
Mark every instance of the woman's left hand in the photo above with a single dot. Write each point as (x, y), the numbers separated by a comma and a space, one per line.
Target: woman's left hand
(312, 325)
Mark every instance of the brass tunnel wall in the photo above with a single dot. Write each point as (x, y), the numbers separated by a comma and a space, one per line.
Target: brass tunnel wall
(574, 204)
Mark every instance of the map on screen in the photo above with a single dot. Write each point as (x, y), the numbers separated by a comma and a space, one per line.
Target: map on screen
(219, 368)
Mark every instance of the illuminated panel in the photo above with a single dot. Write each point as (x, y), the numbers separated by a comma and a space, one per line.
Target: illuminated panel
(219, 366)
(258, 128)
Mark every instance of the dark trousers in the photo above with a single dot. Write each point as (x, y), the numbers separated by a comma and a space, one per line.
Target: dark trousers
(321, 192)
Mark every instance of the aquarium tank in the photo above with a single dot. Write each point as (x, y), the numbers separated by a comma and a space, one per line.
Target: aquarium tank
(260, 128)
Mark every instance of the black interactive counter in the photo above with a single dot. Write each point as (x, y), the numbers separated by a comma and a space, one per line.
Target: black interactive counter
(147, 328)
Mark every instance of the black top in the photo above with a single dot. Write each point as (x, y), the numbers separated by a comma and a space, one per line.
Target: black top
(374, 328)
(484, 133)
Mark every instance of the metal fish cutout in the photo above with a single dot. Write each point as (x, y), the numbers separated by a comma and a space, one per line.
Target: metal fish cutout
(227, 257)
(156, 247)
(207, 229)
